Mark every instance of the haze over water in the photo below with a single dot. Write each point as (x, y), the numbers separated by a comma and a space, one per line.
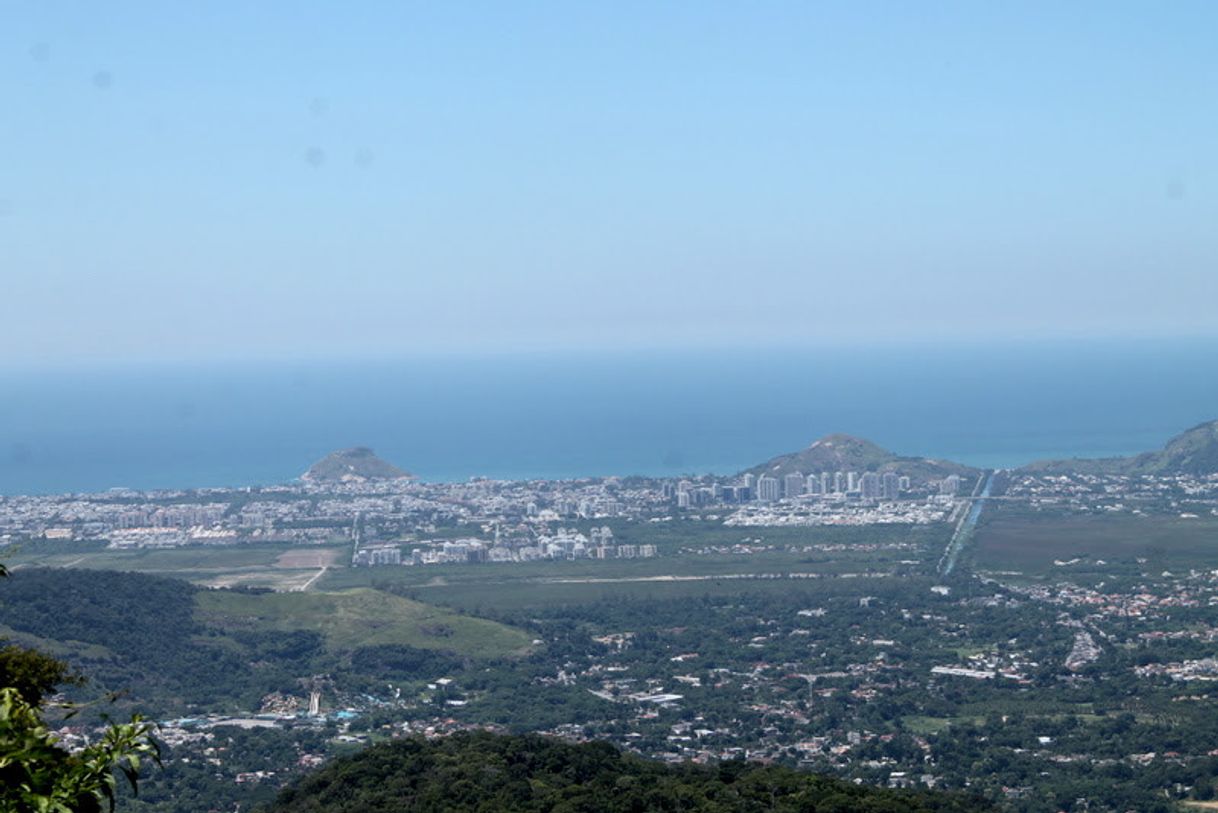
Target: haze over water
(558, 416)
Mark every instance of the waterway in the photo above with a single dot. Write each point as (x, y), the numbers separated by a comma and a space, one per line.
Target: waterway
(964, 531)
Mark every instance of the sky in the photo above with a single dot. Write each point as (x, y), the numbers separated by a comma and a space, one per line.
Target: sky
(220, 180)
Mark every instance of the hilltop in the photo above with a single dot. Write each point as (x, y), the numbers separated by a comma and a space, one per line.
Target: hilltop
(521, 774)
(1194, 451)
(355, 465)
(847, 453)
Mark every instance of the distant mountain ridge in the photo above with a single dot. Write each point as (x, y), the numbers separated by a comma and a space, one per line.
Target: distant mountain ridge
(1193, 451)
(355, 465)
(840, 452)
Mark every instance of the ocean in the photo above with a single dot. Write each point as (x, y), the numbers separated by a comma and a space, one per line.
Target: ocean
(566, 414)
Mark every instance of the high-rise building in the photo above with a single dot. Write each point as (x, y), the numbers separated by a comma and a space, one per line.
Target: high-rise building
(384, 556)
(869, 486)
(812, 484)
(768, 488)
(793, 485)
(839, 482)
(852, 481)
(890, 486)
(826, 482)
(949, 486)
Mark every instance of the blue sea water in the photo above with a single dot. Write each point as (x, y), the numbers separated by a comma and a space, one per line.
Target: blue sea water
(568, 414)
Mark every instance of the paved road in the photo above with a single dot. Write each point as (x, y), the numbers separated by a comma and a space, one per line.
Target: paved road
(314, 578)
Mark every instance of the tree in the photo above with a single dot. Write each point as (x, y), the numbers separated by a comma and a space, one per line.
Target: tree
(37, 775)
(33, 674)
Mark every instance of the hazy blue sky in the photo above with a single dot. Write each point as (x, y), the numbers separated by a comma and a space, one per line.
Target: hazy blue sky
(211, 179)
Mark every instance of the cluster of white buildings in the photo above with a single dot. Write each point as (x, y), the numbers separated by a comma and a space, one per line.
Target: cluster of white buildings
(171, 516)
(1183, 495)
(869, 486)
(564, 545)
(377, 555)
(170, 537)
(1201, 669)
(835, 498)
(310, 513)
(801, 513)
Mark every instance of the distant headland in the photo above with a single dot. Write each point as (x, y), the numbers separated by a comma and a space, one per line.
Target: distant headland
(1194, 451)
(840, 452)
(358, 464)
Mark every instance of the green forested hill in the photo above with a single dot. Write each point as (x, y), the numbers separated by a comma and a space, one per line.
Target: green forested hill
(135, 633)
(1194, 451)
(846, 453)
(173, 647)
(487, 772)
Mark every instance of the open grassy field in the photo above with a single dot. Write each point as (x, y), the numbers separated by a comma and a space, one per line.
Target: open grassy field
(484, 599)
(474, 598)
(923, 725)
(663, 567)
(1032, 544)
(281, 567)
(361, 617)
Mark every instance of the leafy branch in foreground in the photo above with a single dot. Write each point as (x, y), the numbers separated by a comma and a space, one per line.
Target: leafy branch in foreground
(36, 774)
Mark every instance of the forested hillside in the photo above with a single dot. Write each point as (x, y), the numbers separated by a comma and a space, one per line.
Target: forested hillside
(486, 772)
(138, 634)
(172, 648)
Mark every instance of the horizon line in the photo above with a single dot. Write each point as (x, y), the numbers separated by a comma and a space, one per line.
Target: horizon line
(836, 344)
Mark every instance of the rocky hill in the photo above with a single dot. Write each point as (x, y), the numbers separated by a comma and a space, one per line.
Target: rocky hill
(1194, 451)
(357, 465)
(848, 453)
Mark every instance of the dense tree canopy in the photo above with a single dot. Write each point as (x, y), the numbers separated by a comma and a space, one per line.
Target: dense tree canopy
(521, 774)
